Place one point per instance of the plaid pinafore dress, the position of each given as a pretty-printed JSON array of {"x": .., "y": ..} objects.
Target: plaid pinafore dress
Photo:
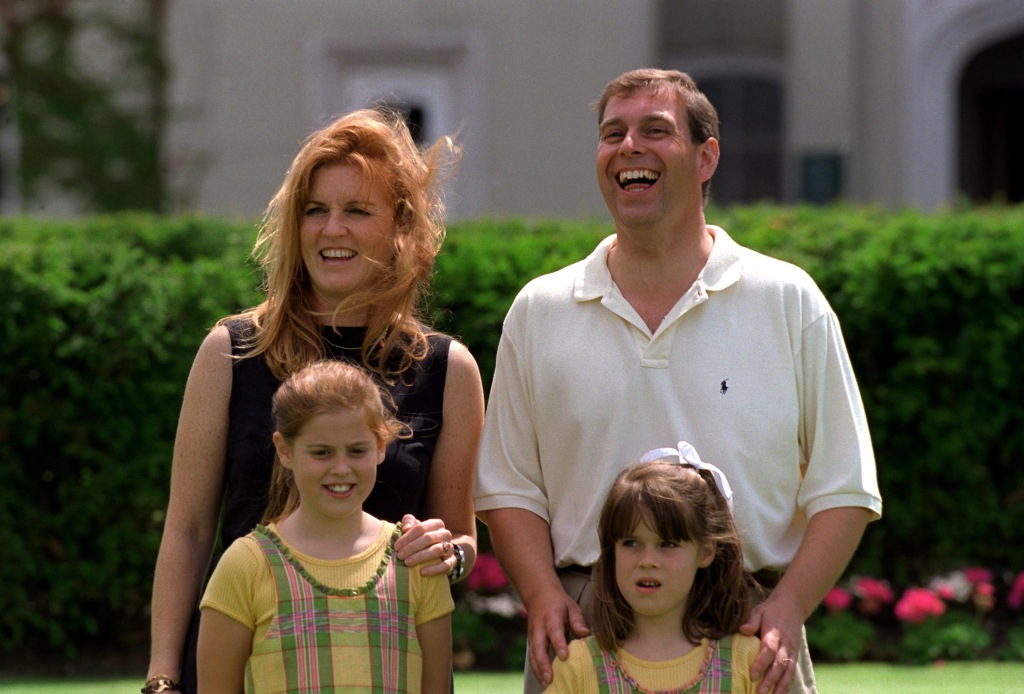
[
  {"x": 715, "y": 677},
  {"x": 305, "y": 646}
]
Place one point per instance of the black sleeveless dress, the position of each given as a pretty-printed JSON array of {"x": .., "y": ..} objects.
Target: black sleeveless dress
[
  {"x": 401, "y": 479},
  {"x": 401, "y": 486}
]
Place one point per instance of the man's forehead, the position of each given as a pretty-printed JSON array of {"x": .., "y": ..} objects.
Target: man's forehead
[{"x": 657, "y": 103}]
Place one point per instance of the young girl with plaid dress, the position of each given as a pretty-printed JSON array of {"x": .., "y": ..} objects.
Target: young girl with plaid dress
[
  {"x": 670, "y": 590},
  {"x": 314, "y": 599}
]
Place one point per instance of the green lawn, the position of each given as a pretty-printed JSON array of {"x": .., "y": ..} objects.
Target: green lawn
[{"x": 979, "y": 678}]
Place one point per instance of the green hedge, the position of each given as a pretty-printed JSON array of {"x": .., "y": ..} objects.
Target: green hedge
[
  {"x": 933, "y": 311},
  {"x": 101, "y": 319}
]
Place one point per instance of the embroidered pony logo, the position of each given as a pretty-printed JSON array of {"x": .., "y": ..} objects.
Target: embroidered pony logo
[{"x": 725, "y": 387}]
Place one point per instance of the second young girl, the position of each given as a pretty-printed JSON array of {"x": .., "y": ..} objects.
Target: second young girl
[
  {"x": 670, "y": 590},
  {"x": 315, "y": 599}
]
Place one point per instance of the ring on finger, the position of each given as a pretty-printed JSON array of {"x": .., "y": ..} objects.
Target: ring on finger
[
  {"x": 785, "y": 662},
  {"x": 446, "y": 549}
]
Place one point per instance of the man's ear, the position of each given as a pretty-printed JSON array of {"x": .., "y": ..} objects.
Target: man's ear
[
  {"x": 708, "y": 158},
  {"x": 284, "y": 454}
]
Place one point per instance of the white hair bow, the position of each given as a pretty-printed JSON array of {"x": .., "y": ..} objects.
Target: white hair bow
[{"x": 685, "y": 454}]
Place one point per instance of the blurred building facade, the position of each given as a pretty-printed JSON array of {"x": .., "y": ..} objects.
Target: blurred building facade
[{"x": 892, "y": 102}]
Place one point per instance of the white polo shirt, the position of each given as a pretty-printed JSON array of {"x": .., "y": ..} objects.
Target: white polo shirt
[{"x": 749, "y": 366}]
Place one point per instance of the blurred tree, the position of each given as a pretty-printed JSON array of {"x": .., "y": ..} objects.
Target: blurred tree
[{"x": 88, "y": 100}]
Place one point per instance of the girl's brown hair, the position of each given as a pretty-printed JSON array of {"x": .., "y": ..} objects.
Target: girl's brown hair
[
  {"x": 320, "y": 388},
  {"x": 681, "y": 504},
  {"x": 379, "y": 143}
]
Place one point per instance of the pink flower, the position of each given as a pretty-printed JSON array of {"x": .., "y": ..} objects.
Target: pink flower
[
  {"x": 837, "y": 599},
  {"x": 978, "y": 575},
  {"x": 984, "y": 597},
  {"x": 1016, "y": 597},
  {"x": 486, "y": 576},
  {"x": 873, "y": 588},
  {"x": 873, "y": 594},
  {"x": 917, "y": 604}
]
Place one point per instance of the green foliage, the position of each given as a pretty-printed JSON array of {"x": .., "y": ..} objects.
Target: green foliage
[
  {"x": 1014, "y": 649},
  {"x": 485, "y": 263},
  {"x": 933, "y": 312},
  {"x": 470, "y": 630},
  {"x": 92, "y": 131},
  {"x": 101, "y": 319},
  {"x": 489, "y": 624},
  {"x": 952, "y": 636},
  {"x": 840, "y": 638}
]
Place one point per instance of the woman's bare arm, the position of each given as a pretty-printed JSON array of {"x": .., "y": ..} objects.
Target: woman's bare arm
[
  {"x": 449, "y": 505},
  {"x": 197, "y": 483}
]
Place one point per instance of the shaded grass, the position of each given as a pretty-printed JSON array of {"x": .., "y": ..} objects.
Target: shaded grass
[{"x": 861, "y": 678}]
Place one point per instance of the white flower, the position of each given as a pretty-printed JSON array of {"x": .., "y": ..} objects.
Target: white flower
[
  {"x": 953, "y": 586},
  {"x": 504, "y": 605}
]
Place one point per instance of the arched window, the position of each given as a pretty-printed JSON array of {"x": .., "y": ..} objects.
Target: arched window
[{"x": 991, "y": 109}]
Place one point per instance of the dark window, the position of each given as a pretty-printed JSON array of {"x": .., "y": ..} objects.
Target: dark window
[
  {"x": 991, "y": 113},
  {"x": 5, "y": 135},
  {"x": 750, "y": 117},
  {"x": 415, "y": 117}
]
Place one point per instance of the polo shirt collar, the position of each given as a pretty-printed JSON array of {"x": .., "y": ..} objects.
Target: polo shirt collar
[
  {"x": 593, "y": 279},
  {"x": 724, "y": 267}
]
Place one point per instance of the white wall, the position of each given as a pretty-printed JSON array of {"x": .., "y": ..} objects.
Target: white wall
[
  {"x": 874, "y": 80},
  {"x": 243, "y": 70},
  {"x": 941, "y": 37}
]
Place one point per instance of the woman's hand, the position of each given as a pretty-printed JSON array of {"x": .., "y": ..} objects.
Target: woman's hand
[{"x": 426, "y": 541}]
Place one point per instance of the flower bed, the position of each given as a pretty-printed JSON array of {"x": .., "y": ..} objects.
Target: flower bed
[
  {"x": 489, "y": 622},
  {"x": 961, "y": 615}
]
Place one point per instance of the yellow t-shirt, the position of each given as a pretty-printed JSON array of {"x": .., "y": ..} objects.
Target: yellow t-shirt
[
  {"x": 577, "y": 675},
  {"x": 242, "y": 586}
]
